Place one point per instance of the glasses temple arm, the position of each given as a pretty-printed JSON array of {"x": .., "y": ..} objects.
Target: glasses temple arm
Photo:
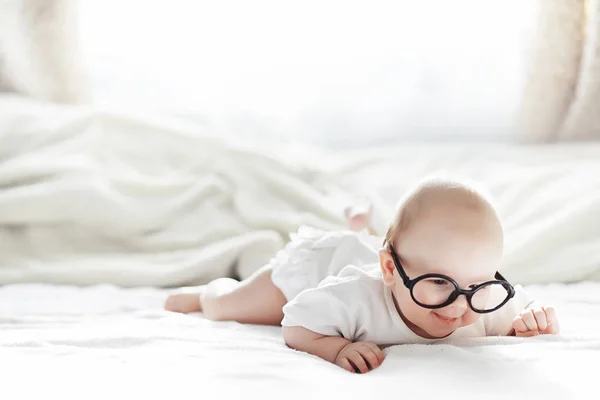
[{"x": 500, "y": 277}]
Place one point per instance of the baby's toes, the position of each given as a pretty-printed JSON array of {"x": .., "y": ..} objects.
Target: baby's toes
[
  {"x": 172, "y": 303},
  {"x": 183, "y": 303}
]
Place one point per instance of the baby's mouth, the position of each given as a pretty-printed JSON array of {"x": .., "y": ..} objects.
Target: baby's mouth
[{"x": 444, "y": 320}]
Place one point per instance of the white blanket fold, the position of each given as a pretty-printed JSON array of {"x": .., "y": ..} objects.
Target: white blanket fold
[{"x": 89, "y": 196}]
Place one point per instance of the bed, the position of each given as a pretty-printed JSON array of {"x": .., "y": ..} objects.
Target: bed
[
  {"x": 108, "y": 342},
  {"x": 102, "y": 214}
]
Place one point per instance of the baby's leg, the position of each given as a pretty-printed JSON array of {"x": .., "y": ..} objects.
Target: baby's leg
[{"x": 255, "y": 300}]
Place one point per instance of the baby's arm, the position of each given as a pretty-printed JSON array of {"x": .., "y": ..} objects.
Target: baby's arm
[
  {"x": 325, "y": 347},
  {"x": 324, "y": 321},
  {"x": 354, "y": 357}
]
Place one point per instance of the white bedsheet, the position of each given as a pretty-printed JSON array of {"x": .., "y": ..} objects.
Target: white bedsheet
[
  {"x": 88, "y": 197},
  {"x": 109, "y": 343}
]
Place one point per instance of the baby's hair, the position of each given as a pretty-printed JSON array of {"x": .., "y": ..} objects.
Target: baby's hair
[{"x": 465, "y": 191}]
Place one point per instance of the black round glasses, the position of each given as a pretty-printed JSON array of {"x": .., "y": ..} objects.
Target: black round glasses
[{"x": 436, "y": 290}]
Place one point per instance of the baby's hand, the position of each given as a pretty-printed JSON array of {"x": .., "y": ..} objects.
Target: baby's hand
[
  {"x": 360, "y": 357},
  {"x": 535, "y": 321}
]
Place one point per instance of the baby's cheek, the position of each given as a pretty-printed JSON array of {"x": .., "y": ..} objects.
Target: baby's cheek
[
  {"x": 410, "y": 309},
  {"x": 470, "y": 317}
]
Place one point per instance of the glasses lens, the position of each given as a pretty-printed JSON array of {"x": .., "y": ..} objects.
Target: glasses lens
[
  {"x": 489, "y": 297},
  {"x": 433, "y": 291}
]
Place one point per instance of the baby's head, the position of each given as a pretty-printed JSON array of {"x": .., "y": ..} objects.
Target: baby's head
[{"x": 442, "y": 227}]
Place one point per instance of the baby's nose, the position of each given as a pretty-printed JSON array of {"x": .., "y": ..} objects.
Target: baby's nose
[{"x": 458, "y": 307}]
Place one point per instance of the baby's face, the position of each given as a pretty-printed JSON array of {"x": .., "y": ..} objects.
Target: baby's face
[{"x": 465, "y": 250}]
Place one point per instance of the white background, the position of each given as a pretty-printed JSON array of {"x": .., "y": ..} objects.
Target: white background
[{"x": 337, "y": 73}]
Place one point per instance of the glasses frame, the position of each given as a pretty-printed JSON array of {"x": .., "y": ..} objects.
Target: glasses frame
[{"x": 468, "y": 293}]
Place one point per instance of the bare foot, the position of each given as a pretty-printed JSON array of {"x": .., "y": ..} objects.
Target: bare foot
[
  {"x": 359, "y": 218},
  {"x": 183, "y": 303}
]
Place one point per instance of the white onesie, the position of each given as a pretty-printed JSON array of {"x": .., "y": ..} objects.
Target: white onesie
[{"x": 334, "y": 287}]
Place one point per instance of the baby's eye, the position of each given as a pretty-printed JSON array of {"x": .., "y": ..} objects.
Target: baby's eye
[{"x": 440, "y": 282}]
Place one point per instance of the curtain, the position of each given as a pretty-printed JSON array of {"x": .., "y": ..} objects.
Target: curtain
[
  {"x": 40, "y": 50},
  {"x": 561, "y": 98},
  {"x": 582, "y": 121},
  {"x": 40, "y": 56}
]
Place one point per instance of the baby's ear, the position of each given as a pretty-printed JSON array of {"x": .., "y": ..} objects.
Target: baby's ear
[{"x": 387, "y": 266}]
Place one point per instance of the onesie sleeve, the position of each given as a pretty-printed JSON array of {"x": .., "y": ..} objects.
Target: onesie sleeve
[
  {"x": 323, "y": 310},
  {"x": 499, "y": 323}
]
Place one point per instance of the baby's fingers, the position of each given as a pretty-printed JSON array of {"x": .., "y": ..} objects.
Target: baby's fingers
[
  {"x": 552, "y": 320},
  {"x": 521, "y": 329},
  {"x": 540, "y": 318},
  {"x": 526, "y": 333},
  {"x": 344, "y": 363},
  {"x": 529, "y": 319},
  {"x": 369, "y": 356},
  {"x": 519, "y": 325},
  {"x": 378, "y": 352},
  {"x": 357, "y": 360}
]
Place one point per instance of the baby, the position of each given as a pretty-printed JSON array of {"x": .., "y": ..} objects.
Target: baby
[{"x": 343, "y": 296}]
